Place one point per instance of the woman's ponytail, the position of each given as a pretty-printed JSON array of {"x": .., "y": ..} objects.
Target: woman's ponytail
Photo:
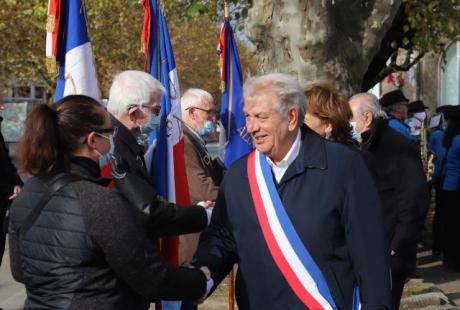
[{"x": 39, "y": 151}]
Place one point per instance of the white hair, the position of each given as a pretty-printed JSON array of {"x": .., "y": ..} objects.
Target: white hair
[
  {"x": 284, "y": 86},
  {"x": 194, "y": 97},
  {"x": 369, "y": 103},
  {"x": 132, "y": 88}
]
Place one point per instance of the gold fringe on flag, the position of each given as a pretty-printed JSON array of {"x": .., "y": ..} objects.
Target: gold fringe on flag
[
  {"x": 222, "y": 86},
  {"x": 51, "y": 66},
  {"x": 50, "y": 23},
  {"x": 143, "y": 47}
]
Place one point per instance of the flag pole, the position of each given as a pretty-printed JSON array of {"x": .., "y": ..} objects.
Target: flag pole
[
  {"x": 226, "y": 11},
  {"x": 231, "y": 282}
]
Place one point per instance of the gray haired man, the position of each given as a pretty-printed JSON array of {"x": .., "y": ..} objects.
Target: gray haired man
[
  {"x": 294, "y": 195},
  {"x": 401, "y": 183}
]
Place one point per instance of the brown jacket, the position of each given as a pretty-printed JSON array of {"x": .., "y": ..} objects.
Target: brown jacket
[{"x": 203, "y": 177}]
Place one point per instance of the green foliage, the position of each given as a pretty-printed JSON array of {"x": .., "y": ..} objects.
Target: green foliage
[
  {"x": 22, "y": 40},
  {"x": 114, "y": 29},
  {"x": 189, "y": 9},
  {"x": 435, "y": 22}
]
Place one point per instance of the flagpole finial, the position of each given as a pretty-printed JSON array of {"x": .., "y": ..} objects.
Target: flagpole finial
[{"x": 226, "y": 10}]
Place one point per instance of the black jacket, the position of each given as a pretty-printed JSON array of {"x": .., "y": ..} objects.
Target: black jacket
[
  {"x": 333, "y": 204},
  {"x": 88, "y": 249},
  {"x": 8, "y": 175},
  {"x": 134, "y": 183},
  {"x": 398, "y": 171}
]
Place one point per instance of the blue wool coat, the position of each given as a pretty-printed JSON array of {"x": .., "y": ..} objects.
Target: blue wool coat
[{"x": 333, "y": 204}]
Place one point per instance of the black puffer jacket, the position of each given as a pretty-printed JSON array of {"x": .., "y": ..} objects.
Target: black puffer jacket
[{"x": 88, "y": 249}]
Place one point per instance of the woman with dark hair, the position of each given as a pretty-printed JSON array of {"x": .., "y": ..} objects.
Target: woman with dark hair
[
  {"x": 450, "y": 170},
  {"x": 328, "y": 112},
  {"x": 76, "y": 244}
]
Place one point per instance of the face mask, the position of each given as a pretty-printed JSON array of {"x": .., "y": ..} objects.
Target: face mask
[
  {"x": 420, "y": 116},
  {"x": 355, "y": 134},
  {"x": 207, "y": 129},
  {"x": 105, "y": 159},
  {"x": 153, "y": 123}
]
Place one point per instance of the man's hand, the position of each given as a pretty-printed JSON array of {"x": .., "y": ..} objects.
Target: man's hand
[
  {"x": 16, "y": 190},
  {"x": 206, "y": 204},
  {"x": 392, "y": 253}
]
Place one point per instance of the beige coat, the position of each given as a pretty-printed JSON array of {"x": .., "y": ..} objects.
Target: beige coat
[{"x": 203, "y": 177}]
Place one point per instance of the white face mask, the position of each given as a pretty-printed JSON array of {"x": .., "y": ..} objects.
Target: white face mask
[{"x": 420, "y": 116}]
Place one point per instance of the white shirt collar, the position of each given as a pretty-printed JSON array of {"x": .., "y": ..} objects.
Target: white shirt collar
[{"x": 280, "y": 168}]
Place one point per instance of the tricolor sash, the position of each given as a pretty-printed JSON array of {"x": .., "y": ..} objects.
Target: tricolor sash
[{"x": 289, "y": 253}]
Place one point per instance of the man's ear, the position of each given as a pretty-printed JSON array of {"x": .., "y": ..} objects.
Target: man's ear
[
  {"x": 368, "y": 119},
  {"x": 293, "y": 115},
  {"x": 191, "y": 113},
  {"x": 133, "y": 114}
]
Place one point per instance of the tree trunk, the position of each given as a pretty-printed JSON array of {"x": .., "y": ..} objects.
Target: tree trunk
[{"x": 320, "y": 40}]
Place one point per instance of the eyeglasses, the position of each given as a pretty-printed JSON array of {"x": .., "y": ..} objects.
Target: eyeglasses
[
  {"x": 209, "y": 111},
  {"x": 111, "y": 131},
  {"x": 152, "y": 109},
  {"x": 155, "y": 110}
]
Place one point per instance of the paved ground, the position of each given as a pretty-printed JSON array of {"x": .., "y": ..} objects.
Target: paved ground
[
  {"x": 431, "y": 277},
  {"x": 431, "y": 284},
  {"x": 12, "y": 294}
]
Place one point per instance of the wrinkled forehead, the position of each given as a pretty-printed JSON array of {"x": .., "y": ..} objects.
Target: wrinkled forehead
[
  {"x": 207, "y": 104},
  {"x": 262, "y": 100},
  {"x": 155, "y": 99}
]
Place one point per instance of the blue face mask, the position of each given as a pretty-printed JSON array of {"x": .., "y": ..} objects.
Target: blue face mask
[
  {"x": 105, "y": 159},
  {"x": 153, "y": 123},
  {"x": 356, "y": 135},
  {"x": 207, "y": 129}
]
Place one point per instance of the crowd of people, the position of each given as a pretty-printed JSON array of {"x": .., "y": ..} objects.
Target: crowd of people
[{"x": 325, "y": 213}]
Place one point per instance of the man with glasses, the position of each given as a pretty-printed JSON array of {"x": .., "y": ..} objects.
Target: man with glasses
[
  {"x": 134, "y": 97},
  {"x": 203, "y": 172}
]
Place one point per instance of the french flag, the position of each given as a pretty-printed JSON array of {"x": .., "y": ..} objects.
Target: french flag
[
  {"x": 68, "y": 49},
  {"x": 168, "y": 165}
]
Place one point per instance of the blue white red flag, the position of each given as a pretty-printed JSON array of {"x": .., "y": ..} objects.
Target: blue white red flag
[
  {"x": 238, "y": 140},
  {"x": 168, "y": 166},
  {"x": 68, "y": 47},
  {"x": 286, "y": 248}
]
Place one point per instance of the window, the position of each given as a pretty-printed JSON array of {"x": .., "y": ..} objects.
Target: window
[{"x": 450, "y": 76}]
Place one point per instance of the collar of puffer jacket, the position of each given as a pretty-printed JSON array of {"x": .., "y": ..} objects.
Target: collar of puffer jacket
[{"x": 88, "y": 169}]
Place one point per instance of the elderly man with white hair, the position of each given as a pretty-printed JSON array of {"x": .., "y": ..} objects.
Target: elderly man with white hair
[
  {"x": 203, "y": 172},
  {"x": 401, "y": 182},
  {"x": 134, "y": 98},
  {"x": 300, "y": 215}
]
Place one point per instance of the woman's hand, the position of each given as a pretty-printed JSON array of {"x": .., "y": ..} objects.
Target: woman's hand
[{"x": 16, "y": 190}]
